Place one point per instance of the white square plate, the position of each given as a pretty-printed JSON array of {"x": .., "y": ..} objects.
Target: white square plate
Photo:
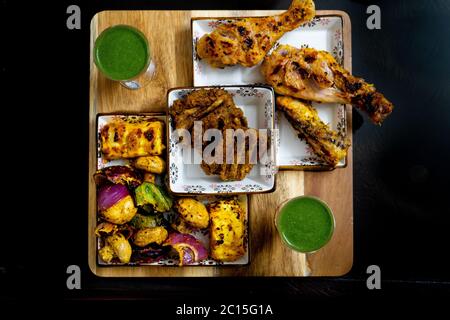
[
  {"x": 258, "y": 105},
  {"x": 322, "y": 33}
]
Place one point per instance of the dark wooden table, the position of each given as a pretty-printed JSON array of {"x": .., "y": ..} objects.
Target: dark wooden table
[{"x": 401, "y": 175}]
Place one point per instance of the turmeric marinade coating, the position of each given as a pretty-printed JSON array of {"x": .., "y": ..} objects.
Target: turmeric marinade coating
[{"x": 227, "y": 230}]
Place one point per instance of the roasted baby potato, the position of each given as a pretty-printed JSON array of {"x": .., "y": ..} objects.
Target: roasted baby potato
[
  {"x": 150, "y": 235},
  {"x": 227, "y": 230},
  {"x": 120, "y": 246},
  {"x": 121, "y": 212},
  {"x": 106, "y": 253},
  {"x": 124, "y": 139},
  {"x": 153, "y": 164},
  {"x": 193, "y": 212}
]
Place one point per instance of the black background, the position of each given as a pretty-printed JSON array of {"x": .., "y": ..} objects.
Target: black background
[{"x": 401, "y": 175}]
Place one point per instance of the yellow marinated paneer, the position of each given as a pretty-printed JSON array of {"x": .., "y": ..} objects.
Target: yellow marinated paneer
[
  {"x": 123, "y": 139},
  {"x": 227, "y": 230}
]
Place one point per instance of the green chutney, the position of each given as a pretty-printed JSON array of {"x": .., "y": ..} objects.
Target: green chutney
[
  {"x": 121, "y": 52},
  {"x": 305, "y": 224}
]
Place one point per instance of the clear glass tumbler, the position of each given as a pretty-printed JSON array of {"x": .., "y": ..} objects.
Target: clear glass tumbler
[{"x": 122, "y": 53}]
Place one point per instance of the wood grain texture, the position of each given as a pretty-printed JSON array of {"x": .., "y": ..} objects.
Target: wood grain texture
[{"x": 169, "y": 36}]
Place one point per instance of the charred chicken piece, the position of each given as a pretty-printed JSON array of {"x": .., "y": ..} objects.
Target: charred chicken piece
[
  {"x": 246, "y": 41},
  {"x": 314, "y": 75}
]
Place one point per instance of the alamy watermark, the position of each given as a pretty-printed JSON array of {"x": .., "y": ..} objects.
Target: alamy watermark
[
  {"x": 74, "y": 19},
  {"x": 229, "y": 146},
  {"x": 374, "y": 280},
  {"x": 374, "y": 20},
  {"x": 74, "y": 279}
]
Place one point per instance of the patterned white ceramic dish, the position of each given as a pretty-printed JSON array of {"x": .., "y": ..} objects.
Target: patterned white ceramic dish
[
  {"x": 323, "y": 33},
  {"x": 257, "y": 102}
]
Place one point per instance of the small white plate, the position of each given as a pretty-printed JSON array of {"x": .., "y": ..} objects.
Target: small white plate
[
  {"x": 258, "y": 105},
  {"x": 322, "y": 33}
]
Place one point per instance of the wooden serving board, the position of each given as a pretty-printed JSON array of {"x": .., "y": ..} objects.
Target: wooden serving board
[{"x": 169, "y": 35}]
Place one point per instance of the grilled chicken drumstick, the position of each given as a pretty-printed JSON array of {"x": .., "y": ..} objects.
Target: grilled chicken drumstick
[
  {"x": 246, "y": 41},
  {"x": 315, "y": 75}
]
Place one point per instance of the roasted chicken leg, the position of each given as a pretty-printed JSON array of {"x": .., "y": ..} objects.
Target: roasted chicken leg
[
  {"x": 327, "y": 144},
  {"x": 246, "y": 41},
  {"x": 315, "y": 75}
]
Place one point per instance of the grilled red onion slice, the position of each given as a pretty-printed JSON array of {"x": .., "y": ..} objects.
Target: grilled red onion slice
[
  {"x": 110, "y": 195},
  {"x": 188, "y": 247}
]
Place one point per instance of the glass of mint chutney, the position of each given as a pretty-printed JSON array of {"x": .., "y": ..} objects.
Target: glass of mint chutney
[
  {"x": 305, "y": 224},
  {"x": 122, "y": 53}
]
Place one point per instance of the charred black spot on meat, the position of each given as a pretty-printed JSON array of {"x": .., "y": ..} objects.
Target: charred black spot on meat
[
  {"x": 210, "y": 42},
  {"x": 248, "y": 42},
  {"x": 368, "y": 99},
  {"x": 353, "y": 87},
  {"x": 310, "y": 59},
  {"x": 149, "y": 135},
  {"x": 242, "y": 31},
  {"x": 276, "y": 69}
]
